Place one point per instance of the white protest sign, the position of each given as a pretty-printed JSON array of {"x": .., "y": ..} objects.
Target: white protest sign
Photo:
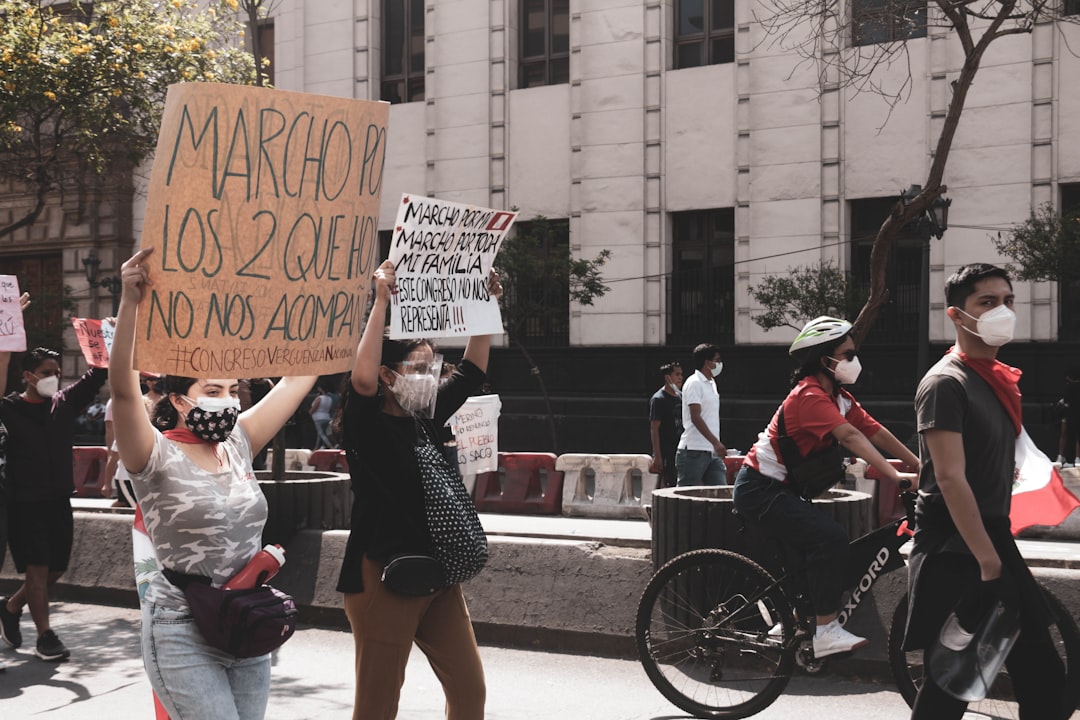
[
  {"x": 442, "y": 253},
  {"x": 12, "y": 331},
  {"x": 476, "y": 429}
]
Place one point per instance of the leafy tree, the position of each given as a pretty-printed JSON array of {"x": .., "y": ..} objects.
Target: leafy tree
[
  {"x": 1046, "y": 246},
  {"x": 539, "y": 273},
  {"x": 82, "y": 90},
  {"x": 803, "y": 293},
  {"x": 848, "y": 48}
]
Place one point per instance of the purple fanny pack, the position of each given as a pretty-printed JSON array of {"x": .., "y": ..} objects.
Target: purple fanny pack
[{"x": 244, "y": 623}]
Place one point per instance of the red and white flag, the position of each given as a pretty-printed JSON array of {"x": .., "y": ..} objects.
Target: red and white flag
[{"x": 1039, "y": 495}]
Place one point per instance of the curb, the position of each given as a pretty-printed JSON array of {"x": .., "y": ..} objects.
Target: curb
[{"x": 560, "y": 595}]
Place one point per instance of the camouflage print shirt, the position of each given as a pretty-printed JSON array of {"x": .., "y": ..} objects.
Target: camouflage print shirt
[{"x": 201, "y": 523}]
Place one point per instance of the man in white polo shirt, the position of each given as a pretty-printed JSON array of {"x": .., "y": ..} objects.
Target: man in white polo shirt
[{"x": 700, "y": 457}]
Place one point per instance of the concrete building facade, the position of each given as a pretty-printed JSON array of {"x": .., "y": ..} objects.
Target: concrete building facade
[{"x": 629, "y": 147}]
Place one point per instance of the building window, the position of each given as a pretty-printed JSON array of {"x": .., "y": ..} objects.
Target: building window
[
  {"x": 704, "y": 32},
  {"x": 1069, "y": 292},
  {"x": 403, "y": 51},
  {"x": 264, "y": 39},
  {"x": 898, "y": 320},
  {"x": 883, "y": 21},
  {"x": 545, "y": 42},
  {"x": 536, "y": 301},
  {"x": 701, "y": 303},
  {"x": 1070, "y": 7}
]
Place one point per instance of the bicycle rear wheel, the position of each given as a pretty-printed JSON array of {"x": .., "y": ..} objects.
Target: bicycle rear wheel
[
  {"x": 713, "y": 631},
  {"x": 907, "y": 667}
]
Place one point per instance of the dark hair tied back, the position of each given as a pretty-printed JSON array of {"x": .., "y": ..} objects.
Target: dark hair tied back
[{"x": 165, "y": 416}]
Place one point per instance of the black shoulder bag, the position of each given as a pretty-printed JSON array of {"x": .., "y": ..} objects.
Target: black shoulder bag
[
  {"x": 812, "y": 475},
  {"x": 459, "y": 545}
]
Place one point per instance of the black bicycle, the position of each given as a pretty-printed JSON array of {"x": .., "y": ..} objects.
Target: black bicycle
[{"x": 720, "y": 636}]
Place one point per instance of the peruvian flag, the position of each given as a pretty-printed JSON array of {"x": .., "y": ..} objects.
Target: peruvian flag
[{"x": 1039, "y": 496}]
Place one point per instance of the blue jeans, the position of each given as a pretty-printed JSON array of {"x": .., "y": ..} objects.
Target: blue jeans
[
  {"x": 820, "y": 541},
  {"x": 699, "y": 467},
  {"x": 195, "y": 681}
]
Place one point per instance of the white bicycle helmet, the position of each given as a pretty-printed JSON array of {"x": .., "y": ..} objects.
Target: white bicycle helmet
[{"x": 819, "y": 331}]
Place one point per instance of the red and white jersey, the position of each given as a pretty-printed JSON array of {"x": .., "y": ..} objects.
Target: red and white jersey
[{"x": 810, "y": 416}]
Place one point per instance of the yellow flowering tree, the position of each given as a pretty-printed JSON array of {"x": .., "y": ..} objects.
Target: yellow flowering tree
[{"x": 82, "y": 86}]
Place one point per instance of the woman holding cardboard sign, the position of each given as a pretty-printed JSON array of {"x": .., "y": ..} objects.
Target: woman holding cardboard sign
[
  {"x": 204, "y": 511},
  {"x": 400, "y": 576}
]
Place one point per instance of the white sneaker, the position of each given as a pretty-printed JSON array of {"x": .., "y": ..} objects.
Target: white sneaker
[{"x": 832, "y": 638}]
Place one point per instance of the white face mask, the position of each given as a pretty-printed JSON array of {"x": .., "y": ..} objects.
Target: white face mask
[
  {"x": 214, "y": 404},
  {"x": 47, "y": 386},
  {"x": 995, "y": 327},
  {"x": 716, "y": 370},
  {"x": 847, "y": 371}
]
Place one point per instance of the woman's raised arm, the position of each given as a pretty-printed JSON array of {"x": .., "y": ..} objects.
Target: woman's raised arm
[{"x": 134, "y": 433}]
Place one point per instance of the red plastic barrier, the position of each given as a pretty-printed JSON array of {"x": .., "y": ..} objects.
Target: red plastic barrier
[
  {"x": 329, "y": 461},
  {"x": 525, "y": 484},
  {"x": 733, "y": 463},
  {"x": 88, "y": 465},
  {"x": 889, "y": 505}
]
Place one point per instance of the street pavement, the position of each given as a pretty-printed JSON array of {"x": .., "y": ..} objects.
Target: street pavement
[{"x": 312, "y": 678}]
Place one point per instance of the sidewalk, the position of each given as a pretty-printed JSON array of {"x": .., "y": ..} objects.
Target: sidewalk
[{"x": 312, "y": 680}]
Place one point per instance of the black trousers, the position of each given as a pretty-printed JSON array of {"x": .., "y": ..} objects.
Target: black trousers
[{"x": 1036, "y": 670}]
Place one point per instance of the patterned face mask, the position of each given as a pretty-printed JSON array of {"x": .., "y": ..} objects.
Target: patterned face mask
[{"x": 212, "y": 419}]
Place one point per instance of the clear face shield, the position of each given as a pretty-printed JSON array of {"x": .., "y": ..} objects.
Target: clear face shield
[{"x": 416, "y": 387}]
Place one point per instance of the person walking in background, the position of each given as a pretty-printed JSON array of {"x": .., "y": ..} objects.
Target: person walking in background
[
  {"x": 968, "y": 415},
  {"x": 203, "y": 508},
  {"x": 5, "y": 362},
  {"x": 816, "y": 417},
  {"x": 320, "y": 415},
  {"x": 41, "y": 424},
  {"x": 665, "y": 424},
  {"x": 699, "y": 459},
  {"x": 388, "y": 426}
]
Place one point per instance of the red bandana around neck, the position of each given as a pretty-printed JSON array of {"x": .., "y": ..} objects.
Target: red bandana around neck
[
  {"x": 1003, "y": 380},
  {"x": 183, "y": 435}
]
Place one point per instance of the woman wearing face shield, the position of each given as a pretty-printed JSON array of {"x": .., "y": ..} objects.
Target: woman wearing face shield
[
  {"x": 203, "y": 508},
  {"x": 394, "y": 404},
  {"x": 817, "y": 414}
]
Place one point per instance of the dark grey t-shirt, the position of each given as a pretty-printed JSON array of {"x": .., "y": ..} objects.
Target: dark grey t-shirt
[{"x": 954, "y": 397}]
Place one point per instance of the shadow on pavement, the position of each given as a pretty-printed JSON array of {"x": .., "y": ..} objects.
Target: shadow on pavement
[{"x": 94, "y": 649}]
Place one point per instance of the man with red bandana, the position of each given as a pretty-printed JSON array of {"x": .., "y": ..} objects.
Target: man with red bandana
[{"x": 968, "y": 417}]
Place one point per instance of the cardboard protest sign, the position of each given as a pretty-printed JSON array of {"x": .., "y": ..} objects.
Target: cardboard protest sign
[
  {"x": 442, "y": 253},
  {"x": 89, "y": 333},
  {"x": 476, "y": 430},
  {"x": 263, "y": 213},
  {"x": 12, "y": 331}
]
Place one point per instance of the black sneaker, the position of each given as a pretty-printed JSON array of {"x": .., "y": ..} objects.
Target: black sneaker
[
  {"x": 9, "y": 625},
  {"x": 49, "y": 647}
]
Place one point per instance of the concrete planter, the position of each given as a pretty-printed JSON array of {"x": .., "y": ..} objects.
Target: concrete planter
[
  {"x": 689, "y": 518},
  {"x": 305, "y": 500}
]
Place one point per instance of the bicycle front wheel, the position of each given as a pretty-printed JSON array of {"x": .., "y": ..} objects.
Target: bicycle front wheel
[
  {"x": 711, "y": 634},
  {"x": 1000, "y": 704}
]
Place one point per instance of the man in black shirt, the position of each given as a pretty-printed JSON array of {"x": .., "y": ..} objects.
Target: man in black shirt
[
  {"x": 41, "y": 427},
  {"x": 665, "y": 423},
  {"x": 968, "y": 415}
]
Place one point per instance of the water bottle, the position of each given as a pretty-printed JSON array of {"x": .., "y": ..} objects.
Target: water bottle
[
  {"x": 964, "y": 664},
  {"x": 259, "y": 569}
]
